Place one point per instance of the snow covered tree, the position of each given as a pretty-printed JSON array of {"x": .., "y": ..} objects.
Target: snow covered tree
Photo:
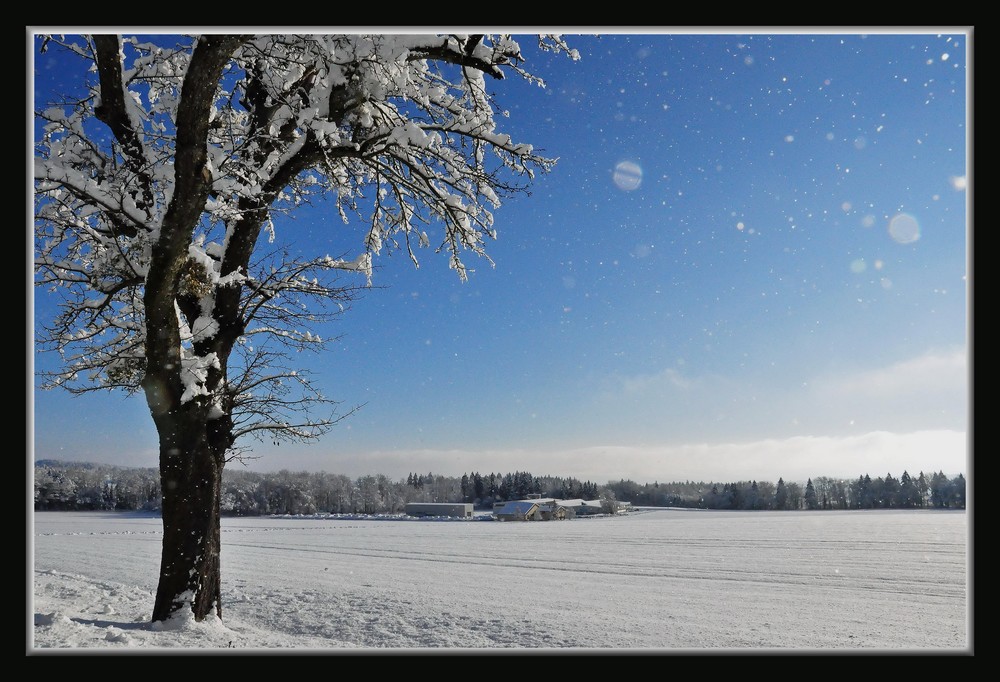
[
  {"x": 795, "y": 495},
  {"x": 609, "y": 503},
  {"x": 157, "y": 186}
]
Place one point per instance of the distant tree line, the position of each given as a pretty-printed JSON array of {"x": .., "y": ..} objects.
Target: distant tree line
[
  {"x": 906, "y": 492},
  {"x": 84, "y": 486},
  {"x": 520, "y": 484}
]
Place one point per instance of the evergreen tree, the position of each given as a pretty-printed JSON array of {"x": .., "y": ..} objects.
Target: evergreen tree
[
  {"x": 506, "y": 487},
  {"x": 940, "y": 490},
  {"x": 781, "y": 495},
  {"x": 908, "y": 495},
  {"x": 923, "y": 489},
  {"x": 890, "y": 492},
  {"x": 478, "y": 487},
  {"x": 736, "y": 495},
  {"x": 877, "y": 489},
  {"x": 868, "y": 493},
  {"x": 810, "y": 496},
  {"x": 958, "y": 492}
]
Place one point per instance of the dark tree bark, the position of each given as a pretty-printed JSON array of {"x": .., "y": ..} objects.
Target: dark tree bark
[
  {"x": 192, "y": 449},
  {"x": 190, "y": 477}
]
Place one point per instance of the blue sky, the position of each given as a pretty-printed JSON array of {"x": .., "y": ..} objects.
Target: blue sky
[{"x": 750, "y": 262}]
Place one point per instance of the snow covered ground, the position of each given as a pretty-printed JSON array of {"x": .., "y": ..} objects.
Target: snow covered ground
[{"x": 676, "y": 580}]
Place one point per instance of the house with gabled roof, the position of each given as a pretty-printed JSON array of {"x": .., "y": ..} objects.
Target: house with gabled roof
[
  {"x": 518, "y": 510},
  {"x": 535, "y": 509}
]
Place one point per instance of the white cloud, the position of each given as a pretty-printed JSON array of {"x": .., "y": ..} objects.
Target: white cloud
[
  {"x": 926, "y": 392},
  {"x": 933, "y": 373},
  {"x": 794, "y": 459}
]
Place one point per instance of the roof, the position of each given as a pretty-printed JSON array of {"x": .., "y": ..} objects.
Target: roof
[{"x": 517, "y": 507}]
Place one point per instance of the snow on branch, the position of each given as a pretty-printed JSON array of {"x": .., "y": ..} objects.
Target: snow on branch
[{"x": 158, "y": 180}]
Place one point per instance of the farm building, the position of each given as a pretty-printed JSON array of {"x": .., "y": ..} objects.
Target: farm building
[
  {"x": 456, "y": 509},
  {"x": 531, "y": 510},
  {"x": 550, "y": 509},
  {"x": 553, "y": 511},
  {"x": 518, "y": 510},
  {"x": 583, "y": 507}
]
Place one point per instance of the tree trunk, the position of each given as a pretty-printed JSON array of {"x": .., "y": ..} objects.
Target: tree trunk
[{"x": 190, "y": 479}]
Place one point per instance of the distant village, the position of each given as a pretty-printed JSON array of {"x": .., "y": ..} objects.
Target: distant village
[{"x": 533, "y": 508}]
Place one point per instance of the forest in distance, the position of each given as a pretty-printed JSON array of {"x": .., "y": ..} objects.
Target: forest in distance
[{"x": 88, "y": 486}]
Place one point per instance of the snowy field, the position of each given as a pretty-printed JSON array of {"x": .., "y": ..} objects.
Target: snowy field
[{"x": 675, "y": 580}]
